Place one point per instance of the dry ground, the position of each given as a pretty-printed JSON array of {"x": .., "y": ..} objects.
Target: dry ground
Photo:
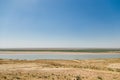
[{"x": 100, "y": 69}]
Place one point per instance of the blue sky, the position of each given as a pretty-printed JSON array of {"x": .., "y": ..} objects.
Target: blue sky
[{"x": 59, "y": 23}]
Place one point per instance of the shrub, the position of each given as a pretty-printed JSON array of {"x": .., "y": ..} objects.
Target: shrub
[
  {"x": 78, "y": 78},
  {"x": 100, "y": 78}
]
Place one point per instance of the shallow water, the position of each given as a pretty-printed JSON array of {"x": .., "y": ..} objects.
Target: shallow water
[{"x": 58, "y": 56}]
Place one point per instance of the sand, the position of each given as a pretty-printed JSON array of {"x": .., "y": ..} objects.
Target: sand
[{"x": 100, "y": 69}]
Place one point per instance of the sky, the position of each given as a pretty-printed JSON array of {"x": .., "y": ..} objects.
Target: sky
[{"x": 59, "y": 23}]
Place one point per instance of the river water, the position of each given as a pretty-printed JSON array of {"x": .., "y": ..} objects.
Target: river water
[{"x": 80, "y": 56}]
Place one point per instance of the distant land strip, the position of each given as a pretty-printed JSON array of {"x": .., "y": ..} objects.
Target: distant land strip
[{"x": 62, "y": 50}]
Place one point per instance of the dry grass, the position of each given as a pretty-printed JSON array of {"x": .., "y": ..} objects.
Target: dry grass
[{"x": 100, "y": 69}]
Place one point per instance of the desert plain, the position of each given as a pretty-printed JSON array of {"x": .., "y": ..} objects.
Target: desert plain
[{"x": 97, "y": 69}]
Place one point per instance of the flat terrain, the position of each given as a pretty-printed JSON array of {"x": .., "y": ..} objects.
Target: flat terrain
[
  {"x": 62, "y": 50},
  {"x": 48, "y": 52},
  {"x": 99, "y": 69}
]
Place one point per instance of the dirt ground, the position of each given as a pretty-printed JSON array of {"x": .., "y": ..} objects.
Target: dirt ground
[{"x": 99, "y": 69}]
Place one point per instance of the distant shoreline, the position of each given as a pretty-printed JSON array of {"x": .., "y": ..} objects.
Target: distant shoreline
[
  {"x": 50, "y": 52},
  {"x": 62, "y": 50},
  {"x": 57, "y": 51}
]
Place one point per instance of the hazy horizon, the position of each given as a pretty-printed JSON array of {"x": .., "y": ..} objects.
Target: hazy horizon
[{"x": 60, "y": 24}]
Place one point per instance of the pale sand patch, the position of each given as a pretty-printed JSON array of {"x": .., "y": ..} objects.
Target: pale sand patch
[
  {"x": 114, "y": 65},
  {"x": 18, "y": 66},
  {"x": 78, "y": 61}
]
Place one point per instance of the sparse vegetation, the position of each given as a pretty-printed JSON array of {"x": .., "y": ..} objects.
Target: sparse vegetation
[{"x": 59, "y": 69}]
